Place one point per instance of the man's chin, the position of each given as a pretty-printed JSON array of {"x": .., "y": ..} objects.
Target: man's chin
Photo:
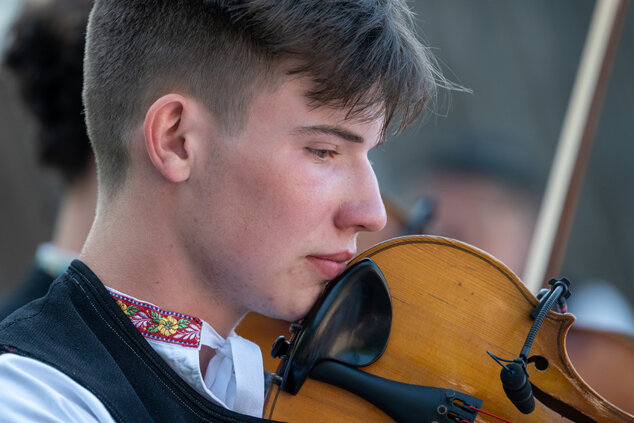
[
  {"x": 298, "y": 310},
  {"x": 294, "y": 315},
  {"x": 291, "y": 310}
]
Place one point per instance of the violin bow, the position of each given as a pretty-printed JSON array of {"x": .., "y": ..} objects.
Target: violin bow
[{"x": 554, "y": 222}]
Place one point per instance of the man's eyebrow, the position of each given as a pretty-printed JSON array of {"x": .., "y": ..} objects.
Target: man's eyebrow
[{"x": 330, "y": 130}]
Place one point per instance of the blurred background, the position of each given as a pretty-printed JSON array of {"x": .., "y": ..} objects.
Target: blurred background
[
  {"x": 480, "y": 160},
  {"x": 520, "y": 59}
]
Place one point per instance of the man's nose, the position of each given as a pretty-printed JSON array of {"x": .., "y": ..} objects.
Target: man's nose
[{"x": 362, "y": 208}]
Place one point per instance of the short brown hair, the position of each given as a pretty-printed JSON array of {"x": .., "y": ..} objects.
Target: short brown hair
[{"x": 361, "y": 55}]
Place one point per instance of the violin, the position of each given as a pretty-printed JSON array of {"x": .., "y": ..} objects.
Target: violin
[{"x": 453, "y": 307}]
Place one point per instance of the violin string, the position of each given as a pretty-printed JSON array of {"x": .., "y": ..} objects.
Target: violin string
[{"x": 488, "y": 414}]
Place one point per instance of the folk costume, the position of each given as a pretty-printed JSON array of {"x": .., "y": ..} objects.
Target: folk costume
[{"x": 87, "y": 353}]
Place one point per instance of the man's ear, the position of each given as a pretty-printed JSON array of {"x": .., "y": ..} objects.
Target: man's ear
[{"x": 166, "y": 137}]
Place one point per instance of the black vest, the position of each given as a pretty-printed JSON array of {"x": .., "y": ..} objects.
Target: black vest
[{"x": 80, "y": 330}]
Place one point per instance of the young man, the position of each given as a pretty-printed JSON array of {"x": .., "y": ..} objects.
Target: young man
[{"x": 231, "y": 140}]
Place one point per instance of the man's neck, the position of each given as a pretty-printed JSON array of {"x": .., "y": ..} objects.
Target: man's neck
[{"x": 126, "y": 251}]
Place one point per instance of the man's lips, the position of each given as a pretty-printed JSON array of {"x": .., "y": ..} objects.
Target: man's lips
[{"x": 332, "y": 265}]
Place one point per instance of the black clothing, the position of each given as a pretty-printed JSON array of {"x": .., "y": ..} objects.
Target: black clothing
[{"x": 79, "y": 329}]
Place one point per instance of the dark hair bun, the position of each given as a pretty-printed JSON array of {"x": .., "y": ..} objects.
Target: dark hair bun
[{"x": 46, "y": 57}]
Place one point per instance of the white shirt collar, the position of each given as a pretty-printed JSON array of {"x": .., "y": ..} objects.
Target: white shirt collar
[{"x": 234, "y": 376}]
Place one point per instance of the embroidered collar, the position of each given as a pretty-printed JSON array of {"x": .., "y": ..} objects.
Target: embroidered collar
[{"x": 158, "y": 324}]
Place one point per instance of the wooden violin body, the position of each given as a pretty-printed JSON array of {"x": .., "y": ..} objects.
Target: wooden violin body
[{"x": 451, "y": 304}]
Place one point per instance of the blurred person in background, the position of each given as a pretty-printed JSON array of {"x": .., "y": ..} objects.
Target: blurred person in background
[
  {"x": 485, "y": 194},
  {"x": 481, "y": 192},
  {"x": 45, "y": 57}
]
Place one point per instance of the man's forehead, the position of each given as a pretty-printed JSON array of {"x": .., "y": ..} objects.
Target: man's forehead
[{"x": 290, "y": 97}]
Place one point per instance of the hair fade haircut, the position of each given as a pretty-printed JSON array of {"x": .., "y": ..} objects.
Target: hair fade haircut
[{"x": 362, "y": 56}]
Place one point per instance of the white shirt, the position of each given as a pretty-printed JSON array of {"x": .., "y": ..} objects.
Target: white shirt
[{"x": 36, "y": 392}]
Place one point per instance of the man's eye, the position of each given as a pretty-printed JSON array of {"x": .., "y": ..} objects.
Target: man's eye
[{"x": 322, "y": 154}]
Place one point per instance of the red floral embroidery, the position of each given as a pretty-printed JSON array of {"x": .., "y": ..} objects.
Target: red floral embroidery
[{"x": 161, "y": 325}]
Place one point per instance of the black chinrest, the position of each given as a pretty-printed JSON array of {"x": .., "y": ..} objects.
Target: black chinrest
[{"x": 350, "y": 323}]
